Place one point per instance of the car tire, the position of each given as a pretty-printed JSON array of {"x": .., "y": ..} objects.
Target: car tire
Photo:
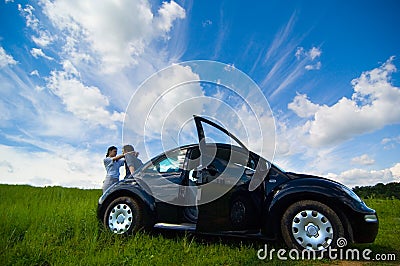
[
  {"x": 240, "y": 213},
  {"x": 311, "y": 225},
  {"x": 124, "y": 215}
]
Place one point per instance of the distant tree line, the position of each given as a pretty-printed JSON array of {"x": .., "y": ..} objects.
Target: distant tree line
[{"x": 380, "y": 190}]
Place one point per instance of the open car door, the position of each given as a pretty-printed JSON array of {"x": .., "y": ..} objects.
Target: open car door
[{"x": 219, "y": 175}]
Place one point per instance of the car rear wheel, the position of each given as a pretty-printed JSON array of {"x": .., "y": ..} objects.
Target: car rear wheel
[
  {"x": 124, "y": 215},
  {"x": 311, "y": 225},
  {"x": 241, "y": 213}
]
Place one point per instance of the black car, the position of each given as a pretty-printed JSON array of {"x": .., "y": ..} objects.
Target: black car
[{"x": 225, "y": 189}]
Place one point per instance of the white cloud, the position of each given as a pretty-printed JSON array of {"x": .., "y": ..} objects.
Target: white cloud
[
  {"x": 113, "y": 35},
  {"x": 314, "y": 53},
  {"x": 6, "y": 59},
  {"x": 85, "y": 102},
  {"x": 230, "y": 67},
  {"x": 206, "y": 23},
  {"x": 315, "y": 66},
  {"x": 31, "y": 20},
  {"x": 161, "y": 97},
  {"x": 6, "y": 165},
  {"x": 374, "y": 104},
  {"x": 360, "y": 177},
  {"x": 283, "y": 142},
  {"x": 57, "y": 116},
  {"x": 299, "y": 52},
  {"x": 65, "y": 166},
  {"x": 35, "y": 52},
  {"x": 35, "y": 73},
  {"x": 363, "y": 160},
  {"x": 302, "y": 106},
  {"x": 390, "y": 143},
  {"x": 163, "y": 107},
  {"x": 44, "y": 39},
  {"x": 396, "y": 170},
  {"x": 166, "y": 16},
  {"x": 309, "y": 56},
  {"x": 30, "y": 109}
]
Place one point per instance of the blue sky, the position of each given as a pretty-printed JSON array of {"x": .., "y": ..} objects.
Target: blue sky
[{"x": 69, "y": 68}]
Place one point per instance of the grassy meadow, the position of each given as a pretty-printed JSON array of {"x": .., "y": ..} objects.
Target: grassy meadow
[{"x": 58, "y": 226}]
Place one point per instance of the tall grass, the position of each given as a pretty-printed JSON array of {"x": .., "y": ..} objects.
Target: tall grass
[
  {"x": 58, "y": 226},
  {"x": 388, "y": 238}
]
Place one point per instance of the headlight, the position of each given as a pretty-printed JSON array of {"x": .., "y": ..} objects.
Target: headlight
[
  {"x": 371, "y": 218},
  {"x": 352, "y": 194}
]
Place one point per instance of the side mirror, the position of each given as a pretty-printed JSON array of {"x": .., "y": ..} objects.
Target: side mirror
[
  {"x": 249, "y": 172},
  {"x": 263, "y": 165},
  {"x": 212, "y": 170},
  {"x": 262, "y": 170}
]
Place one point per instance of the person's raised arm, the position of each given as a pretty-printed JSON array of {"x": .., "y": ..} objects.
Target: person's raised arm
[{"x": 116, "y": 158}]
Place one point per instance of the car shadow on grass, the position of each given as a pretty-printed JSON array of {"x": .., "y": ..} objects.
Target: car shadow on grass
[{"x": 207, "y": 239}]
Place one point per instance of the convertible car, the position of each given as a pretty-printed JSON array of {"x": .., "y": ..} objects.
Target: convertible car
[{"x": 225, "y": 189}]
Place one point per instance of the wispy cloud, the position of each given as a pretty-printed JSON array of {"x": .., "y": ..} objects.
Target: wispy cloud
[
  {"x": 36, "y": 53},
  {"x": 223, "y": 31},
  {"x": 6, "y": 59},
  {"x": 280, "y": 59},
  {"x": 305, "y": 61},
  {"x": 281, "y": 38}
]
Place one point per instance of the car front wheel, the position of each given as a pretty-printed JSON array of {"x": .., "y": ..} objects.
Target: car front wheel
[
  {"x": 311, "y": 225},
  {"x": 124, "y": 215}
]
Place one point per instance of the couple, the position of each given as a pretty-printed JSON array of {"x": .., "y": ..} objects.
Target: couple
[{"x": 113, "y": 162}]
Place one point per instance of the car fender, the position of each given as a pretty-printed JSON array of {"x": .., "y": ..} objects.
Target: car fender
[
  {"x": 311, "y": 188},
  {"x": 130, "y": 188}
]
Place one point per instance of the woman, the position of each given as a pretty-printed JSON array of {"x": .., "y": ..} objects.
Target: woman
[{"x": 112, "y": 163}]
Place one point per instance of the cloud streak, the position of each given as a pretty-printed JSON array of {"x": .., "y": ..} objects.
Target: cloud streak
[
  {"x": 6, "y": 59},
  {"x": 286, "y": 60}
]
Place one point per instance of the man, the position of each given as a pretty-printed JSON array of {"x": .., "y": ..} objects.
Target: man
[{"x": 132, "y": 163}]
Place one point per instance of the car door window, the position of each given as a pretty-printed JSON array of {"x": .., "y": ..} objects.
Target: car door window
[
  {"x": 228, "y": 164},
  {"x": 170, "y": 163}
]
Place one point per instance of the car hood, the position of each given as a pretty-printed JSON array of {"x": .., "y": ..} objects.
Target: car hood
[
  {"x": 317, "y": 178},
  {"x": 296, "y": 175}
]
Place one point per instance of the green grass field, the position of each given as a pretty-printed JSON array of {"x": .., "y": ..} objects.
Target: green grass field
[{"x": 58, "y": 226}]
